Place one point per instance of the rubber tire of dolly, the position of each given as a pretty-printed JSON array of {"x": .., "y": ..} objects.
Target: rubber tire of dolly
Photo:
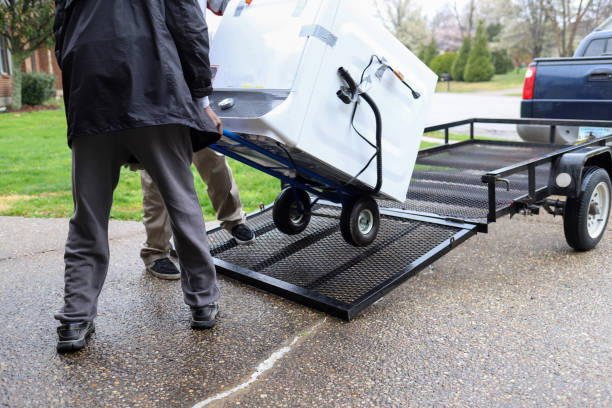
[
  {"x": 577, "y": 209},
  {"x": 349, "y": 221},
  {"x": 282, "y": 212}
]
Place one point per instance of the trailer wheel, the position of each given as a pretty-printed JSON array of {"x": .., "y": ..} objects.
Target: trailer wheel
[
  {"x": 359, "y": 221},
  {"x": 586, "y": 216},
  {"x": 290, "y": 216}
]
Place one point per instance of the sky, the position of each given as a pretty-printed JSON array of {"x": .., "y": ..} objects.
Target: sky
[{"x": 430, "y": 7}]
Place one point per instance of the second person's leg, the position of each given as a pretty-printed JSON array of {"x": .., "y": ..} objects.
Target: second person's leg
[
  {"x": 156, "y": 250},
  {"x": 223, "y": 193}
]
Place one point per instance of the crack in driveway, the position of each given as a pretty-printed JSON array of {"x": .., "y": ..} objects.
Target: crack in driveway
[{"x": 263, "y": 367}]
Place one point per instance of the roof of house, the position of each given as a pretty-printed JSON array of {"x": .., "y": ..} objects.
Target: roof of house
[{"x": 606, "y": 25}]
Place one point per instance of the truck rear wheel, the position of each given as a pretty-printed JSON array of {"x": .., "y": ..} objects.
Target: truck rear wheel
[{"x": 586, "y": 216}]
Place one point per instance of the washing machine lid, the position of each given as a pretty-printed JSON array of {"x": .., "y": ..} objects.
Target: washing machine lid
[{"x": 269, "y": 56}]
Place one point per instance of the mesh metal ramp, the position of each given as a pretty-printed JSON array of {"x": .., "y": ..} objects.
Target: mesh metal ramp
[
  {"x": 447, "y": 203},
  {"x": 319, "y": 269}
]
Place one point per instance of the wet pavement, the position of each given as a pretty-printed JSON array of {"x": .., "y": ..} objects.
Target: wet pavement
[{"x": 510, "y": 318}]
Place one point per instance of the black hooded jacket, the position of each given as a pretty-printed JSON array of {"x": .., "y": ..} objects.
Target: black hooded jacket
[{"x": 133, "y": 63}]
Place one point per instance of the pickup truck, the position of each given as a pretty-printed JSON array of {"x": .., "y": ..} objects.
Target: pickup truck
[{"x": 570, "y": 88}]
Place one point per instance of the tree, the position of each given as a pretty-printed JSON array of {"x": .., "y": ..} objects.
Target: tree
[
  {"x": 465, "y": 20},
  {"x": 565, "y": 17},
  {"x": 461, "y": 61},
  {"x": 444, "y": 26},
  {"x": 537, "y": 27},
  {"x": 26, "y": 25},
  {"x": 405, "y": 21},
  {"x": 526, "y": 33},
  {"x": 501, "y": 61},
  {"x": 493, "y": 31},
  {"x": 479, "y": 66},
  {"x": 601, "y": 10},
  {"x": 429, "y": 52}
]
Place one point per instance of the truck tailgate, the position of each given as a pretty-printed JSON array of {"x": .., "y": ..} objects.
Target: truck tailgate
[{"x": 571, "y": 88}]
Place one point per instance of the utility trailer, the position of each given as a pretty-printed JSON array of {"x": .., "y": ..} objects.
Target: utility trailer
[{"x": 456, "y": 191}]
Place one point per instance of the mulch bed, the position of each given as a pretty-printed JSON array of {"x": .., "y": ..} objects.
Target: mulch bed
[{"x": 30, "y": 109}]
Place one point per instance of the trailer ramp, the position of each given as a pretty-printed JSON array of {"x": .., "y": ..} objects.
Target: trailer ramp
[
  {"x": 447, "y": 203},
  {"x": 319, "y": 269}
]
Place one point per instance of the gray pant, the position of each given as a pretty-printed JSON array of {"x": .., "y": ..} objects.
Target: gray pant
[
  {"x": 166, "y": 153},
  {"x": 221, "y": 188}
]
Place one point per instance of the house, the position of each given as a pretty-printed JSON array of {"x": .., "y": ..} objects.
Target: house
[
  {"x": 43, "y": 60},
  {"x": 606, "y": 25}
]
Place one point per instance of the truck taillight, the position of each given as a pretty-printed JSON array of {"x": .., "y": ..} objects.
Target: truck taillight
[{"x": 529, "y": 83}]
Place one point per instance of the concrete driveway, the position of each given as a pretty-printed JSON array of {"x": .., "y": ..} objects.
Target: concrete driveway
[
  {"x": 450, "y": 107},
  {"x": 511, "y": 318}
]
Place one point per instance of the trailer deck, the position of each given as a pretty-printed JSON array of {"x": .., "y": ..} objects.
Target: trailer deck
[
  {"x": 456, "y": 191},
  {"x": 447, "y": 181}
]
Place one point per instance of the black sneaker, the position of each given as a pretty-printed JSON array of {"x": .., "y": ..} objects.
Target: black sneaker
[
  {"x": 164, "y": 269},
  {"x": 73, "y": 336},
  {"x": 243, "y": 234},
  {"x": 204, "y": 317}
]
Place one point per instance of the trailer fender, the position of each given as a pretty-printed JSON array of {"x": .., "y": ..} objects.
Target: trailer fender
[{"x": 567, "y": 171}]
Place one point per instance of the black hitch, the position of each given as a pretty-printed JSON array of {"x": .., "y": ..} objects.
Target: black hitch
[{"x": 554, "y": 207}]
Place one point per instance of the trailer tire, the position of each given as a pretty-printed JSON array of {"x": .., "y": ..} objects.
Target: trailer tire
[
  {"x": 586, "y": 216},
  {"x": 360, "y": 221},
  {"x": 286, "y": 211}
]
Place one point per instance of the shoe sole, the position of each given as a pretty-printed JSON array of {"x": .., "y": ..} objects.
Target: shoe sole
[
  {"x": 203, "y": 325},
  {"x": 244, "y": 243},
  {"x": 164, "y": 276},
  {"x": 69, "y": 346}
]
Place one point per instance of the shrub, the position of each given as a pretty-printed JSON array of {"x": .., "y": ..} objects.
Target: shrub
[
  {"x": 502, "y": 62},
  {"x": 479, "y": 67},
  {"x": 443, "y": 63},
  {"x": 37, "y": 87},
  {"x": 479, "y": 70},
  {"x": 461, "y": 61}
]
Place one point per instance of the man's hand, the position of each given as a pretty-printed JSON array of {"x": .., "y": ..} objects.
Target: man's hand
[{"x": 213, "y": 116}]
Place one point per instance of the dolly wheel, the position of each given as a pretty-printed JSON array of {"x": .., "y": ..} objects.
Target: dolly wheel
[
  {"x": 290, "y": 216},
  {"x": 359, "y": 221},
  {"x": 586, "y": 216}
]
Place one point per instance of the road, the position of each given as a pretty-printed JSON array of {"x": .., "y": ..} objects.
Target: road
[
  {"x": 509, "y": 319},
  {"x": 449, "y": 107}
]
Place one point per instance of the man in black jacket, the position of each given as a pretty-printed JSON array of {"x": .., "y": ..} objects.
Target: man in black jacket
[{"x": 136, "y": 78}]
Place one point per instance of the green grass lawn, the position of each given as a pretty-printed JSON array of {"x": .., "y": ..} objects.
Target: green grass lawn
[
  {"x": 35, "y": 179},
  {"x": 510, "y": 80},
  {"x": 35, "y": 173}
]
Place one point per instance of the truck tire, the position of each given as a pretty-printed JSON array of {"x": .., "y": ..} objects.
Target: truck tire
[
  {"x": 290, "y": 216},
  {"x": 586, "y": 216},
  {"x": 359, "y": 221}
]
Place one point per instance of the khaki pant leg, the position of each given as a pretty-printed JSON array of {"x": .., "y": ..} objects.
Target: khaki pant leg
[
  {"x": 156, "y": 222},
  {"x": 222, "y": 188}
]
